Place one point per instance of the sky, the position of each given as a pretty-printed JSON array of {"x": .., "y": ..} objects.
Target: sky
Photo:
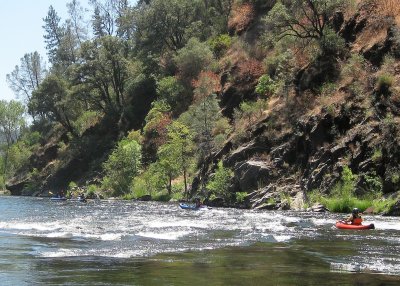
[{"x": 21, "y": 32}]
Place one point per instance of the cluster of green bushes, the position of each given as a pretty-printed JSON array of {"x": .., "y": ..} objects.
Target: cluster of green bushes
[{"x": 343, "y": 198}]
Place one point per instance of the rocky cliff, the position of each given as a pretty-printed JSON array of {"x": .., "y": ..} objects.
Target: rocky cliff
[{"x": 304, "y": 140}]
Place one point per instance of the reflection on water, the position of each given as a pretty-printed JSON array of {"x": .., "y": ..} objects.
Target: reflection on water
[{"x": 138, "y": 243}]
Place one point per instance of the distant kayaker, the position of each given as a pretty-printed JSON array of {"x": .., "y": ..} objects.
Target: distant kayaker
[
  {"x": 355, "y": 217},
  {"x": 198, "y": 203},
  {"x": 82, "y": 198}
]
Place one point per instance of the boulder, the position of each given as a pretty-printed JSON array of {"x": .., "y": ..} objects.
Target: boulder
[{"x": 252, "y": 175}]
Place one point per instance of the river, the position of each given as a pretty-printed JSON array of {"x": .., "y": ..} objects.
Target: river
[{"x": 44, "y": 242}]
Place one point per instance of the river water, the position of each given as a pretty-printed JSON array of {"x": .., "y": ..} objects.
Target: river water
[{"x": 43, "y": 242}]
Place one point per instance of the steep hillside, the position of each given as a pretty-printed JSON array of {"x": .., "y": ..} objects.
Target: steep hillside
[
  {"x": 300, "y": 113},
  {"x": 304, "y": 141}
]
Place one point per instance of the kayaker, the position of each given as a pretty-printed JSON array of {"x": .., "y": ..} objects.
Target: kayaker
[
  {"x": 355, "y": 217},
  {"x": 198, "y": 203}
]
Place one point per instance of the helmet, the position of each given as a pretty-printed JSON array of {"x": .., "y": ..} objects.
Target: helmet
[{"x": 355, "y": 211}]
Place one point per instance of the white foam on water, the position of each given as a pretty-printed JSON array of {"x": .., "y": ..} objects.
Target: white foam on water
[
  {"x": 323, "y": 221},
  {"x": 58, "y": 235},
  {"x": 62, "y": 252},
  {"x": 111, "y": 236},
  {"x": 178, "y": 223},
  {"x": 173, "y": 235},
  {"x": 387, "y": 225},
  {"x": 283, "y": 238},
  {"x": 28, "y": 226},
  {"x": 378, "y": 266}
]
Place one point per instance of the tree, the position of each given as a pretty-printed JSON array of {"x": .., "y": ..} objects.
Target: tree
[
  {"x": 25, "y": 79},
  {"x": 170, "y": 90},
  {"x": 163, "y": 25},
  {"x": 206, "y": 110},
  {"x": 303, "y": 19},
  {"x": 11, "y": 122},
  {"x": 122, "y": 166},
  {"x": 54, "y": 34},
  {"x": 193, "y": 58},
  {"x": 106, "y": 20},
  {"x": 219, "y": 184},
  {"x": 52, "y": 100},
  {"x": 169, "y": 167},
  {"x": 100, "y": 79},
  {"x": 76, "y": 21},
  {"x": 155, "y": 131},
  {"x": 178, "y": 150}
]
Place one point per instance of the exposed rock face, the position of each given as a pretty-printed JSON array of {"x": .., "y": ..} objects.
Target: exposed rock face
[
  {"x": 279, "y": 168},
  {"x": 312, "y": 156}
]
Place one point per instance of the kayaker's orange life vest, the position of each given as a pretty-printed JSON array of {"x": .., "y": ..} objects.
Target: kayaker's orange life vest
[{"x": 357, "y": 221}]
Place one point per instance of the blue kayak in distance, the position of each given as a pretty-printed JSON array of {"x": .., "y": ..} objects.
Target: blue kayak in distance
[{"x": 192, "y": 207}]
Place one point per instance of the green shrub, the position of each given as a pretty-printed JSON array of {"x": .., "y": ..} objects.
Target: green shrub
[
  {"x": 266, "y": 85},
  {"x": 121, "y": 166},
  {"x": 86, "y": 120},
  {"x": 171, "y": 91},
  {"x": 162, "y": 197},
  {"x": 219, "y": 183},
  {"x": 331, "y": 43},
  {"x": 241, "y": 196},
  {"x": 193, "y": 58},
  {"x": 395, "y": 178},
  {"x": 374, "y": 184},
  {"x": 384, "y": 82},
  {"x": 139, "y": 188},
  {"x": 91, "y": 191},
  {"x": 2, "y": 183},
  {"x": 377, "y": 155},
  {"x": 219, "y": 44}
]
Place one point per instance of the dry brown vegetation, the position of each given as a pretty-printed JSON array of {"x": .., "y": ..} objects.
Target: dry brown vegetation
[
  {"x": 389, "y": 8},
  {"x": 242, "y": 16}
]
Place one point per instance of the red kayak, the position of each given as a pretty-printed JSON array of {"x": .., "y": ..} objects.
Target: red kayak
[{"x": 345, "y": 225}]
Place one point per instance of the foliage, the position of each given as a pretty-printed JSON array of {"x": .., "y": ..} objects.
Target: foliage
[
  {"x": 34, "y": 183},
  {"x": 374, "y": 184},
  {"x": 219, "y": 183},
  {"x": 355, "y": 66},
  {"x": 164, "y": 25},
  {"x": 241, "y": 196},
  {"x": 178, "y": 150},
  {"x": 11, "y": 125},
  {"x": 91, "y": 191},
  {"x": 343, "y": 197},
  {"x": 249, "y": 70},
  {"x": 384, "y": 82},
  {"x": 86, "y": 120},
  {"x": 305, "y": 20},
  {"x": 171, "y": 91},
  {"x": 193, "y": 58},
  {"x": 121, "y": 166},
  {"x": 201, "y": 118},
  {"x": 2, "y": 182},
  {"x": 155, "y": 131},
  {"x": 26, "y": 77},
  {"x": 102, "y": 77},
  {"x": 377, "y": 155},
  {"x": 220, "y": 44},
  {"x": 331, "y": 43},
  {"x": 265, "y": 85},
  {"x": 53, "y": 100},
  {"x": 139, "y": 187},
  {"x": 249, "y": 113}
]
